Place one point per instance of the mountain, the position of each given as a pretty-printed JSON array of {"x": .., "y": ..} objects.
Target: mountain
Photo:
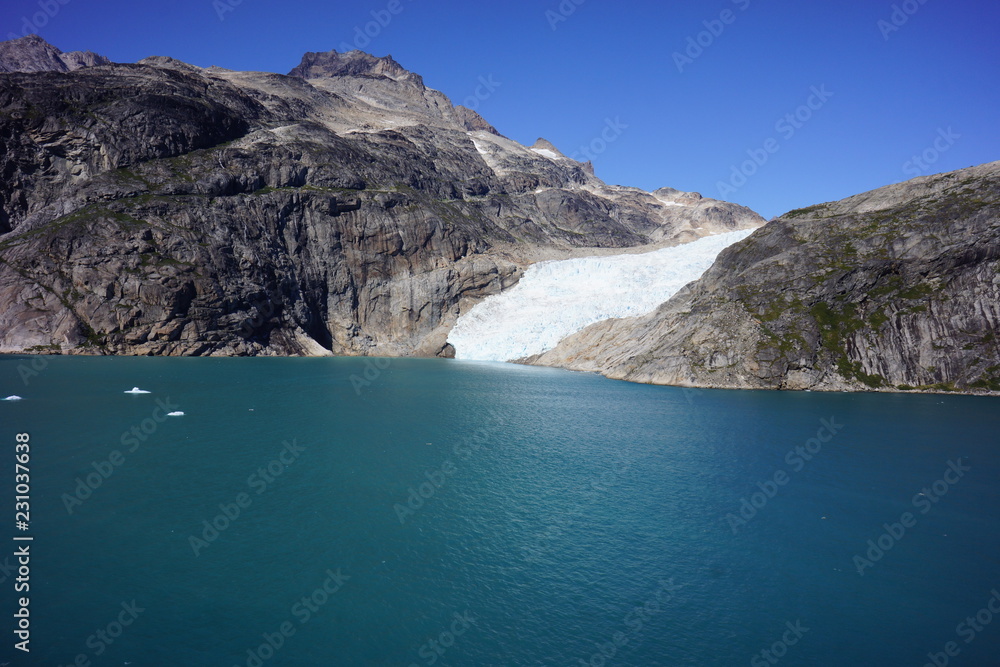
[
  {"x": 343, "y": 208},
  {"x": 34, "y": 54},
  {"x": 898, "y": 288}
]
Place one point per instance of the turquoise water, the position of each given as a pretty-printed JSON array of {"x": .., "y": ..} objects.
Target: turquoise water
[{"x": 461, "y": 513}]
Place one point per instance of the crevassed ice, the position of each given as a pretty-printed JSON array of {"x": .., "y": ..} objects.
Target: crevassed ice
[{"x": 557, "y": 298}]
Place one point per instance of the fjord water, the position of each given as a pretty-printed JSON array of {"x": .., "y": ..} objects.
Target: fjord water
[{"x": 559, "y": 515}]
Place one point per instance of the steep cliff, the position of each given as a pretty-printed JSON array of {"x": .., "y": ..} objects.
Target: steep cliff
[
  {"x": 162, "y": 208},
  {"x": 898, "y": 288},
  {"x": 34, "y": 54}
]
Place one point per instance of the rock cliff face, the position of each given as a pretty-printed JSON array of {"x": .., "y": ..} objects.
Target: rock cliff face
[
  {"x": 161, "y": 208},
  {"x": 34, "y": 54},
  {"x": 898, "y": 288}
]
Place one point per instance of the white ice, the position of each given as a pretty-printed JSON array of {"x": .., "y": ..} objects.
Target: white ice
[
  {"x": 557, "y": 298},
  {"x": 13, "y": 398},
  {"x": 136, "y": 390},
  {"x": 546, "y": 152}
]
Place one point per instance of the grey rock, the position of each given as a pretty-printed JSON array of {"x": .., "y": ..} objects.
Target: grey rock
[
  {"x": 898, "y": 288},
  {"x": 34, "y": 54},
  {"x": 343, "y": 209}
]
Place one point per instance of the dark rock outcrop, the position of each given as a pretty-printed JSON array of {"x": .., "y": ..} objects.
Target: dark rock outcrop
[
  {"x": 898, "y": 288},
  {"x": 161, "y": 208},
  {"x": 34, "y": 54}
]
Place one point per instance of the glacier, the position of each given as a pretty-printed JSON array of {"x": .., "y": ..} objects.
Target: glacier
[{"x": 560, "y": 297}]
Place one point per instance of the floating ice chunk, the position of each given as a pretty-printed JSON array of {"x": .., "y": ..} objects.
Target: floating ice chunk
[
  {"x": 13, "y": 398},
  {"x": 136, "y": 390},
  {"x": 557, "y": 298},
  {"x": 176, "y": 413}
]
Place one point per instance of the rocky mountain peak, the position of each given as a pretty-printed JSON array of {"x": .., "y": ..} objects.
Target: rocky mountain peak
[
  {"x": 546, "y": 145},
  {"x": 472, "y": 121},
  {"x": 353, "y": 63},
  {"x": 34, "y": 54}
]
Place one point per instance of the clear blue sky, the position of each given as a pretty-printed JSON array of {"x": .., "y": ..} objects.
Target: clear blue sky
[{"x": 895, "y": 92}]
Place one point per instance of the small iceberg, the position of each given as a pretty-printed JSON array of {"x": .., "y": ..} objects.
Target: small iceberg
[
  {"x": 13, "y": 398},
  {"x": 176, "y": 413},
  {"x": 136, "y": 390}
]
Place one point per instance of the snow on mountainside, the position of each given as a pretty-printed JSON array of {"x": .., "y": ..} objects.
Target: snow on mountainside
[{"x": 557, "y": 298}]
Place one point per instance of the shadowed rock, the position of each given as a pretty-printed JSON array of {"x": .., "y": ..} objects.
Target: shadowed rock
[{"x": 344, "y": 209}]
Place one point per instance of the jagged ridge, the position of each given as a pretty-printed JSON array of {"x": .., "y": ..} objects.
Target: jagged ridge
[
  {"x": 898, "y": 288},
  {"x": 221, "y": 212}
]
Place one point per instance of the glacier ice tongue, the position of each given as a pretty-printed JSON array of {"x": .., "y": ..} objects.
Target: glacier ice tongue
[{"x": 557, "y": 298}]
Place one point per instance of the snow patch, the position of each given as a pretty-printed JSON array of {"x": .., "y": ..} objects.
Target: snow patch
[
  {"x": 667, "y": 202},
  {"x": 546, "y": 153},
  {"x": 557, "y": 298}
]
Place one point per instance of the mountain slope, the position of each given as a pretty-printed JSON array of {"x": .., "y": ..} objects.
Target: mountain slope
[
  {"x": 34, "y": 54},
  {"x": 345, "y": 208},
  {"x": 894, "y": 288}
]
